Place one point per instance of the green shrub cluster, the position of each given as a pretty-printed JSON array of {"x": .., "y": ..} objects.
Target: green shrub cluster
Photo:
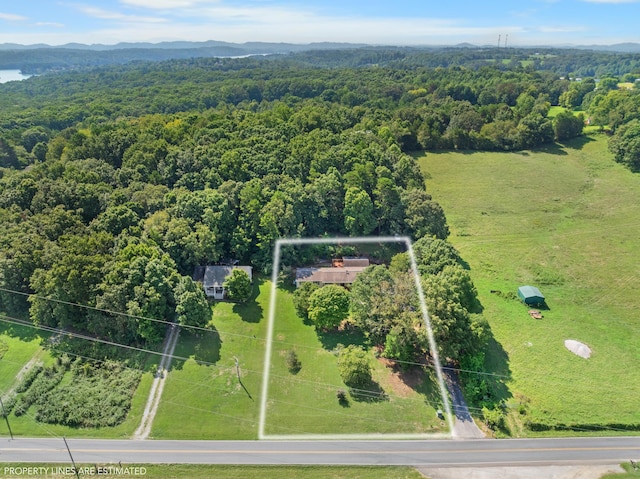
[
  {"x": 8, "y": 403},
  {"x": 97, "y": 396},
  {"x": 29, "y": 377},
  {"x": 539, "y": 426},
  {"x": 293, "y": 362},
  {"x": 36, "y": 393}
]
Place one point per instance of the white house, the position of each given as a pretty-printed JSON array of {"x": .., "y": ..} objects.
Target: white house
[{"x": 214, "y": 277}]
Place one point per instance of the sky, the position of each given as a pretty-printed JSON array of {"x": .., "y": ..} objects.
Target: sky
[{"x": 388, "y": 22}]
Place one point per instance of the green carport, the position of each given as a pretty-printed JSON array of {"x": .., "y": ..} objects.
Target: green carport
[{"x": 530, "y": 295}]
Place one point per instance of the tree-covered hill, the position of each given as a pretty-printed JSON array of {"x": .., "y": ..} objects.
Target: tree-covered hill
[{"x": 116, "y": 181}]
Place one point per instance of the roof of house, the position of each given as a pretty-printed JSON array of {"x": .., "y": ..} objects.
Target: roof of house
[
  {"x": 348, "y": 261},
  {"x": 344, "y": 275},
  {"x": 215, "y": 275}
]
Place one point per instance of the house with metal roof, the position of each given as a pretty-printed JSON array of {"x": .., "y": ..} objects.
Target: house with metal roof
[
  {"x": 530, "y": 295},
  {"x": 342, "y": 273},
  {"x": 214, "y": 276}
]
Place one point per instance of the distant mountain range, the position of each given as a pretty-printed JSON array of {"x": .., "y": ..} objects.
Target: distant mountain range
[
  {"x": 246, "y": 48},
  {"x": 257, "y": 48},
  {"x": 41, "y": 58}
]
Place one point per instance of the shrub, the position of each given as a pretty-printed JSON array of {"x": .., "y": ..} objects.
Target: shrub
[
  {"x": 102, "y": 397},
  {"x": 494, "y": 418},
  {"x": 354, "y": 367},
  {"x": 293, "y": 363},
  {"x": 29, "y": 377},
  {"x": 8, "y": 403},
  {"x": 341, "y": 394}
]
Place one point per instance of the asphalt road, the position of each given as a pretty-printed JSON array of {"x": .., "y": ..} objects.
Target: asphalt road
[{"x": 440, "y": 453}]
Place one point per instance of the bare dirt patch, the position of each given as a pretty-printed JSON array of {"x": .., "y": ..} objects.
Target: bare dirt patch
[
  {"x": 402, "y": 382},
  {"x": 546, "y": 472}
]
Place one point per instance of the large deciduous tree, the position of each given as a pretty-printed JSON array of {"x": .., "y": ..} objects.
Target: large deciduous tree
[
  {"x": 354, "y": 367},
  {"x": 238, "y": 285},
  {"x": 625, "y": 145},
  {"x": 433, "y": 255},
  {"x": 423, "y": 216},
  {"x": 192, "y": 308},
  {"x": 301, "y": 298},
  {"x": 328, "y": 306},
  {"x": 359, "y": 218},
  {"x": 566, "y": 125},
  {"x": 450, "y": 320},
  {"x": 385, "y": 307}
]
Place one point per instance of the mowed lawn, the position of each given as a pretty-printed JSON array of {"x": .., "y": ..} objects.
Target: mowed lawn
[
  {"x": 207, "y": 471},
  {"x": 305, "y": 403},
  {"x": 567, "y": 220},
  {"x": 204, "y": 399}
]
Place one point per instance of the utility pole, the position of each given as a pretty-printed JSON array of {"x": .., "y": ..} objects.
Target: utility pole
[
  {"x": 72, "y": 461},
  {"x": 505, "y": 40},
  {"x": 499, "y": 37},
  {"x": 6, "y": 418}
]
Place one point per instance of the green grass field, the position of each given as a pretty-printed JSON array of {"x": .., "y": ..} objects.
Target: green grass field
[
  {"x": 567, "y": 220},
  {"x": 203, "y": 398},
  {"x": 192, "y": 471},
  {"x": 305, "y": 402},
  {"x": 630, "y": 472},
  {"x": 554, "y": 110}
]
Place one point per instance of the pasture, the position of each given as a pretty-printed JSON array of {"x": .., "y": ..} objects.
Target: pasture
[{"x": 566, "y": 219}]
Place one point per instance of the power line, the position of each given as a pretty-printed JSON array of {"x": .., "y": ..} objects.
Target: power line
[
  {"x": 373, "y": 394},
  {"x": 200, "y": 328}
]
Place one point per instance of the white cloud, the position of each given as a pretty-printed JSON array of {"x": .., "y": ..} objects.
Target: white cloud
[
  {"x": 49, "y": 24},
  {"x": 201, "y": 20},
  {"x": 562, "y": 29},
  {"x": 165, "y": 4},
  {"x": 102, "y": 14},
  {"x": 11, "y": 17}
]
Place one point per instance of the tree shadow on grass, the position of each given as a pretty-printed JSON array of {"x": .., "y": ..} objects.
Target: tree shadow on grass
[
  {"x": 331, "y": 339},
  {"x": 370, "y": 392},
  {"x": 251, "y": 311},
  {"x": 421, "y": 377},
  {"x": 202, "y": 346},
  {"x": 26, "y": 333},
  {"x": 578, "y": 142},
  {"x": 476, "y": 306},
  {"x": 496, "y": 375},
  {"x": 551, "y": 148}
]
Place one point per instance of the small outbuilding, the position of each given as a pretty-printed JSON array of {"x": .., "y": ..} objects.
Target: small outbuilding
[{"x": 530, "y": 295}]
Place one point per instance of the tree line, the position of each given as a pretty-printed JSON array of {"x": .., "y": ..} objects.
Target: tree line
[{"x": 115, "y": 182}]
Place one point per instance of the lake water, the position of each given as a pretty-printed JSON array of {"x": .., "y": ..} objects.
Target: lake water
[{"x": 12, "y": 75}]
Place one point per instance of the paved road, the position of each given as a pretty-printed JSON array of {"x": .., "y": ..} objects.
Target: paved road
[
  {"x": 440, "y": 453},
  {"x": 464, "y": 426}
]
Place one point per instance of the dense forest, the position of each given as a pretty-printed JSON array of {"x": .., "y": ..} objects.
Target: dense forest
[{"x": 117, "y": 181}]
